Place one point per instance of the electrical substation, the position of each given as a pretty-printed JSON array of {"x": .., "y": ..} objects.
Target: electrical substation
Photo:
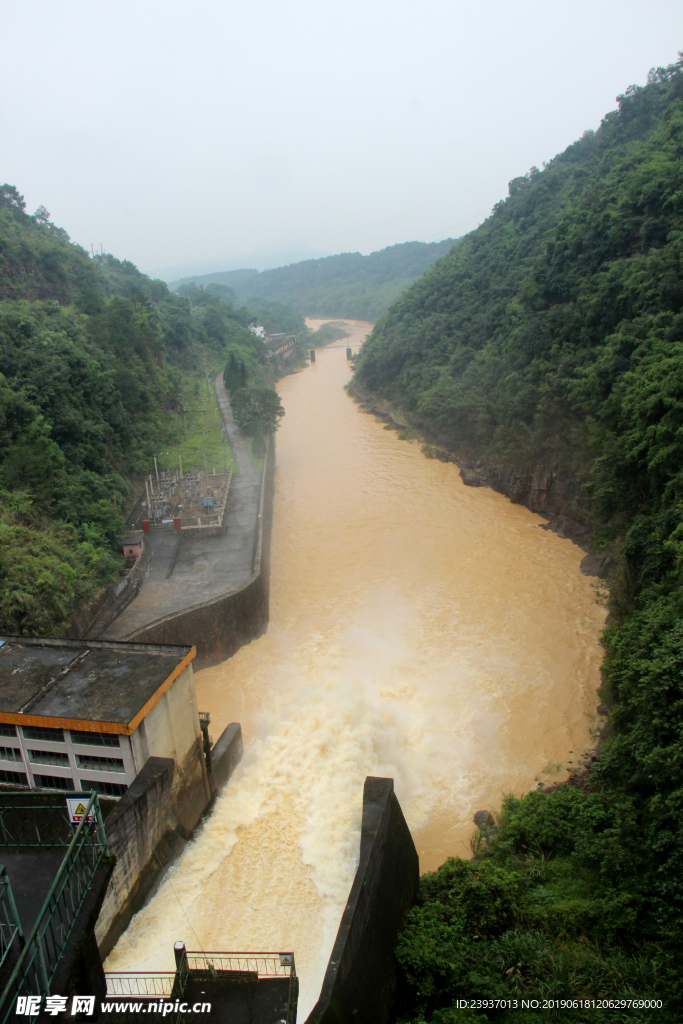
[{"x": 178, "y": 499}]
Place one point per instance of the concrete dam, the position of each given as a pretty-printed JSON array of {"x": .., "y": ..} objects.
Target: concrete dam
[{"x": 420, "y": 631}]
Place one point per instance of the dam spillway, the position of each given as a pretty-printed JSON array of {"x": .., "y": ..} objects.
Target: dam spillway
[{"x": 419, "y": 630}]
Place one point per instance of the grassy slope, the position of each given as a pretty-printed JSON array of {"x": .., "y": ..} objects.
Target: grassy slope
[
  {"x": 204, "y": 435},
  {"x": 553, "y": 337}
]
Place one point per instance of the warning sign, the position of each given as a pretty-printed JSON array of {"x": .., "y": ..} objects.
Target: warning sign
[
  {"x": 76, "y": 806},
  {"x": 286, "y": 959}
]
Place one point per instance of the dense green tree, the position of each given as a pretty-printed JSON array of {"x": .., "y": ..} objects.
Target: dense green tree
[
  {"x": 91, "y": 353},
  {"x": 11, "y": 199},
  {"x": 257, "y": 408},
  {"x": 551, "y": 338}
]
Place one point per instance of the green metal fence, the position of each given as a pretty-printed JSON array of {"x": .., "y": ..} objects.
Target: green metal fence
[
  {"x": 34, "y": 823},
  {"x": 38, "y": 960},
  {"x": 10, "y": 927}
]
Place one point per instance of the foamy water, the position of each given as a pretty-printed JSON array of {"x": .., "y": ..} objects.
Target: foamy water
[{"x": 420, "y": 630}]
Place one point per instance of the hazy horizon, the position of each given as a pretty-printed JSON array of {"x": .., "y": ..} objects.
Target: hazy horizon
[
  {"x": 261, "y": 136},
  {"x": 266, "y": 259}
]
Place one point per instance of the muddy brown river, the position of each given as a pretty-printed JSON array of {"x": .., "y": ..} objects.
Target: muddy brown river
[{"x": 419, "y": 629}]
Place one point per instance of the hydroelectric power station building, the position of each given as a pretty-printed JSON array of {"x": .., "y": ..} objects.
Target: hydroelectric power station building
[{"x": 86, "y": 715}]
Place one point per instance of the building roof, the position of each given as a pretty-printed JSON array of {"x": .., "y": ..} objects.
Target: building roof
[
  {"x": 133, "y": 538},
  {"x": 92, "y": 685}
]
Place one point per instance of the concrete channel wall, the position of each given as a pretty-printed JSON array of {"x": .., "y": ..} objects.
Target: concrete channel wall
[
  {"x": 360, "y": 984},
  {"x": 148, "y": 827},
  {"x": 143, "y": 832},
  {"x": 219, "y": 627},
  {"x": 226, "y": 754}
]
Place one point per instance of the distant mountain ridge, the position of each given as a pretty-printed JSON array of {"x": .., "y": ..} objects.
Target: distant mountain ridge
[{"x": 346, "y": 285}]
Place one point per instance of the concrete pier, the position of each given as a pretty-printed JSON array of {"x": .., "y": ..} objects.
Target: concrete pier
[{"x": 360, "y": 981}]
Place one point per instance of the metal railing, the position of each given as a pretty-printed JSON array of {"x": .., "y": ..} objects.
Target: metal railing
[
  {"x": 129, "y": 985},
  {"x": 10, "y": 926},
  {"x": 249, "y": 966},
  {"x": 258, "y": 965},
  {"x": 40, "y": 957},
  {"x": 36, "y": 823},
  {"x": 144, "y": 992}
]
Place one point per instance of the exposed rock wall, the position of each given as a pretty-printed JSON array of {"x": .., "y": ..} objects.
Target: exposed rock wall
[
  {"x": 541, "y": 488},
  {"x": 549, "y": 490}
]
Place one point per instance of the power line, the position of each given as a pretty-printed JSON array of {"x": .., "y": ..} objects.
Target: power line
[{"x": 442, "y": 234}]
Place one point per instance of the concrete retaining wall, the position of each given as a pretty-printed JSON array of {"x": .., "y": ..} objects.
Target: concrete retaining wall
[
  {"x": 117, "y": 599},
  {"x": 226, "y": 754},
  {"x": 360, "y": 984},
  {"x": 218, "y": 628},
  {"x": 142, "y": 831}
]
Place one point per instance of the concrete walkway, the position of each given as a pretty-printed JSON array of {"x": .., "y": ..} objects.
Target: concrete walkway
[{"x": 185, "y": 569}]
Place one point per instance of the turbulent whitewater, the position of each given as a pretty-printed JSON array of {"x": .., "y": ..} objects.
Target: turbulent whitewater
[{"x": 419, "y": 629}]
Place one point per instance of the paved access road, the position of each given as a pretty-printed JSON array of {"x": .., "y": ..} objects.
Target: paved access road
[{"x": 186, "y": 569}]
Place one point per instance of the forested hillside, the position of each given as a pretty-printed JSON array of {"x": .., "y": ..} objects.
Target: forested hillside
[
  {"x": 91, "y": 353},
  {"x": 347, "y": 285},
  {"x": 550, "y": 341}
]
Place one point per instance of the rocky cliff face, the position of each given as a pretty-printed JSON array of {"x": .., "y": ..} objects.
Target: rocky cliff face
[
  {"x": 541, "y": 489},
  {"x": 551, "y": 494}
]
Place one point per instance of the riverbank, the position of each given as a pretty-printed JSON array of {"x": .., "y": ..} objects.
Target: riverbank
[{"x": 545, "y": 489}]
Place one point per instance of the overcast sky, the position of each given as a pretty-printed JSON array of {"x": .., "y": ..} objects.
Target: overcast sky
[{"x": 213, "y": 134}]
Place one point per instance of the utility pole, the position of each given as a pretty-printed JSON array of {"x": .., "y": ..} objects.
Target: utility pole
[
  {"x": 182, "y": 403},
  {"x": 156, "y": 469},
  {"x": 206, "y": 429}
]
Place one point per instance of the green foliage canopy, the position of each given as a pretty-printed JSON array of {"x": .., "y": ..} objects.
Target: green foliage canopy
[
  {"x": 552, "y": 338},
  {"x": 91, "y": 352}
]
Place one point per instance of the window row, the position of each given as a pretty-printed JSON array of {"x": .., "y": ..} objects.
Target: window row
[
  {"x": 66, "y": 785},
  {"x": 78, "y": 736},
  {"x": 89, "y": 761}
]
